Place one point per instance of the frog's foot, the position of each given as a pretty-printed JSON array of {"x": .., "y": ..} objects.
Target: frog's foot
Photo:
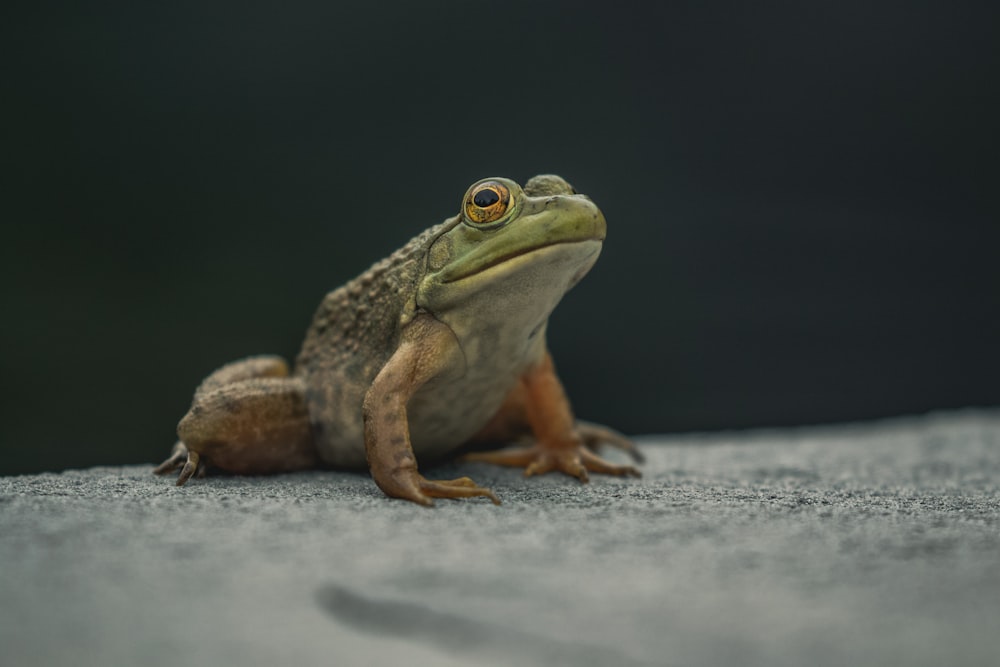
[
  {"x": 596, "y": 436},
  {"x": 188, "y": 462},
  {"x": 408, "y": 484},
  {"x": 538, "y": 459}
]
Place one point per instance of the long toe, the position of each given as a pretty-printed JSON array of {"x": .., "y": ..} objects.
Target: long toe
[{"x": 190, "y": 467}]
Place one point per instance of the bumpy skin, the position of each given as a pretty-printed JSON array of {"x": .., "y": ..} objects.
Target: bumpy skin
[{"x": 438, "y": 346}]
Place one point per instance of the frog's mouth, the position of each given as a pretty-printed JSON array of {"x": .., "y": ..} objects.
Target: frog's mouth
[
  {"x": 474, "y": 265},
  {"x": 562, "y": 221}
]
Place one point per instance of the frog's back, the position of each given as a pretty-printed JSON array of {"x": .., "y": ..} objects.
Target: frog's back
[{"x": 353, "y": 333}]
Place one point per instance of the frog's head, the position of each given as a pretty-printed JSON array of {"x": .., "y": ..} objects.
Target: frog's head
[{"x": 521, "y": 246}]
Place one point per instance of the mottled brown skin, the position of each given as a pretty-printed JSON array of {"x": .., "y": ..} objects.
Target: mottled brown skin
[{"x": 438, "y": 347}]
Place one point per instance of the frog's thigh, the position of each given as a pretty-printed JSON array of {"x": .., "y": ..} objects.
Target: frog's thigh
[
  {"x": 262, "y": 366},
  {"x": 253, "y": 426}
]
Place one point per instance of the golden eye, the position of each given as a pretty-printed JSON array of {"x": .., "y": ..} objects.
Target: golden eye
[{"x": 487, "y": 202}]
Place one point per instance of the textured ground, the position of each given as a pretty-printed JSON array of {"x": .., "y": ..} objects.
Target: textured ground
[{"x": 866, "y": 544}]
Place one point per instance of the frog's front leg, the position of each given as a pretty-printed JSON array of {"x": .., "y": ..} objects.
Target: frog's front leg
[
  {"x": 421, "y": 355},
  {"x": 248, "y": 418},
  {"x": 561, "y": 443}
]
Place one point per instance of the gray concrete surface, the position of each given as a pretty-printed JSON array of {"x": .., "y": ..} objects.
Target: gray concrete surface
[{"x": 866, "y": 544}]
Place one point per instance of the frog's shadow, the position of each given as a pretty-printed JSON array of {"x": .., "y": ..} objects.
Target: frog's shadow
[{"x": 459, "y": 634}]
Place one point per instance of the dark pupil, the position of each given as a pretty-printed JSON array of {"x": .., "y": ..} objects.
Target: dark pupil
[{"x": 485, "y": 198}]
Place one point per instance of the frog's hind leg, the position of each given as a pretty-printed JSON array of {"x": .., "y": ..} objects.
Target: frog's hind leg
[
  {"x": 511, "y": 423},
  {"x": 248, "y": 417},
  {"x": 538, "y": 405},
  {"x": 179, "y": 456},
  {"x": 261, "y": 366}
]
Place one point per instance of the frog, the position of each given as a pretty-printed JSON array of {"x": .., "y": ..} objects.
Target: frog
[{"x": 439, "y": 350}]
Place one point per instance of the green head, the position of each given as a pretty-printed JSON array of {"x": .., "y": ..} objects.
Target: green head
[{"x": 538, "y": 240}]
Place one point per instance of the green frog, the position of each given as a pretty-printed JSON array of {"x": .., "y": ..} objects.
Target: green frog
[{"x": 437, "y": 349}]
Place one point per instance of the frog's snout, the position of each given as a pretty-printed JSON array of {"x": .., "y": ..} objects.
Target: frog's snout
[{"x": 579, "y": 218}]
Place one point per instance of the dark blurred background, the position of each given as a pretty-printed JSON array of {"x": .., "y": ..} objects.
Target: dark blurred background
[{"x": 801, "y": 198}]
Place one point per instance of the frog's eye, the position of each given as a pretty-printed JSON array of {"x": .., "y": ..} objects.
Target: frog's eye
[{"x": 487, "y": 202}]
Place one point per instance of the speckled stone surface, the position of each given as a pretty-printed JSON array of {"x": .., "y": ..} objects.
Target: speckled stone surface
[{"x": 865, "y": 544}]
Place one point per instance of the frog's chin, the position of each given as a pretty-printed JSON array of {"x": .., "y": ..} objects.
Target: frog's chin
[{"x": 533, "y": 279}]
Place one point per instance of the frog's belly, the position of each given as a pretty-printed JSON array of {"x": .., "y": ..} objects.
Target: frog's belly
[{"x": 443, "y": 417}]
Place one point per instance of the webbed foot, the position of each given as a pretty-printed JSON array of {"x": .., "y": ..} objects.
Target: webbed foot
[
  {"x": 595, "y": 436},
  {"x": 574, "y": 460}
]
